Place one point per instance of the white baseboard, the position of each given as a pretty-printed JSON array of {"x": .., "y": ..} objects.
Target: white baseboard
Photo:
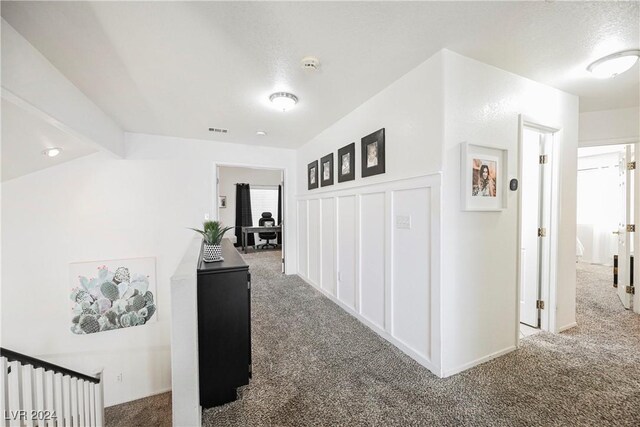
[
  {"x": 384, "y": 334},
  {"x": 479, "y": 361},
  {"x": 566, "y": 327}
]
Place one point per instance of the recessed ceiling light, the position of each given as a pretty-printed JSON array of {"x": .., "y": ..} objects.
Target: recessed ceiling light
[
  {"x": 261, "y": 133},
  {"x": 612, "y": 65},
  {"x": 52, "y": 152},
  {"x": 283, "y": 100}
]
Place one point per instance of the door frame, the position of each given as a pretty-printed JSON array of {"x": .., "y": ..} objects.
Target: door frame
[
  {"x": 284, "y": 182},
  {"x": 548, "y": 288}
]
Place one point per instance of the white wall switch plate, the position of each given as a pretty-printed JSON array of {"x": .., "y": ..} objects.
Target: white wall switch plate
[{"x": 403, "y": 221}]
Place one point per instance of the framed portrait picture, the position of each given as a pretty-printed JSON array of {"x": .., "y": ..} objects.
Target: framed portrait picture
[
  {"x": 312, "y": 175},
  {"x": 222, "y": 201},
  {"x": 347, "y": 163},
  {"x": 484, "y": 178},
  {"x": 326, "y": 167},
  {"x": 372, "y": 149}
]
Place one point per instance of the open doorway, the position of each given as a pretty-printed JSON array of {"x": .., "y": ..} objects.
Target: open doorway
[
  {"x": 606, "y": 220},
  {"x": 537, "y": 236},
  {"x": 251, "y": 200}
]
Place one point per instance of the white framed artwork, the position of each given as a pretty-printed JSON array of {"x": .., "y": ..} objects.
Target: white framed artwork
[{"x": 483, "y": 177}]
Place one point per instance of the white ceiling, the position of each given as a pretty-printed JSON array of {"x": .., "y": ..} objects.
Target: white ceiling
[
  {"x": 26, "y": 135},
  {"x": 178, "y": 68}
]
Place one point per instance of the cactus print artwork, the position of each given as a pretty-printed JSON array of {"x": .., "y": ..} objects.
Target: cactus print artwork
[{"x": 112, "y": 295}]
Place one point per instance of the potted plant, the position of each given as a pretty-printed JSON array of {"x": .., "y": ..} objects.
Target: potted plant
[{"x": 212, "y": 233}]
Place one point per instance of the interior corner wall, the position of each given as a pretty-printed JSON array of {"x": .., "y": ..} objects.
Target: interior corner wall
[
  {"x": 482, "y": 106},
  {"x": 607, "y": 127},
  {"x": 349, "y": 246},
  {"x": 99, "y": 208}
]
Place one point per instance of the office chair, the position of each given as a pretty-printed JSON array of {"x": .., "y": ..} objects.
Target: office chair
[{"x": 267, "y": 220}]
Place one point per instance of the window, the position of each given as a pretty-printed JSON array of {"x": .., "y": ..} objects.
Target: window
[{"x": 264, "y": 199}]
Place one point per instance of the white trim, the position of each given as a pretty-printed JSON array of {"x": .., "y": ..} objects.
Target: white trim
[
  {"x": 567, "y": 327},
  {"x": 607, "y": 141},
  {"x": 479, "y": 361},
  {"x": 433, "y": 182},
  {"x": 407, "y": 350},
  {"x": 548, "y": 292},
  {"x": 154, "y": 393}
]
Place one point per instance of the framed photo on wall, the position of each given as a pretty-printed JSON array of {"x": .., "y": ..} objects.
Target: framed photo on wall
[
  {"x": 326, "y": 166},
  {"x": 484, "y": 177},
  {"x": 347, "y": 163},
  {"x": 372, "y": 149},
  {"x": 222, "y": 201},
  {"x": 312, "y": 175}
]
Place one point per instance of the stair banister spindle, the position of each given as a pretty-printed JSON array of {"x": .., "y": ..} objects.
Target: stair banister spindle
[{"x": 4, "y": 391}]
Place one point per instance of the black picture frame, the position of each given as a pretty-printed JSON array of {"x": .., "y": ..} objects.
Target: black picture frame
[
  {"x": 312, "y": 175},
  {"x": 350, "y": 152},
  {"x": 373, "y": 165},
  {"x": 326, "y": 168}
]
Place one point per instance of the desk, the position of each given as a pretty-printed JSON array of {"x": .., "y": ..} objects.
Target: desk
[{"x": 257, "y": 229}]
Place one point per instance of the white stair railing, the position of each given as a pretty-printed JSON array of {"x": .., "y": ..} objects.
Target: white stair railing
[{"x": 37, "y": 393}]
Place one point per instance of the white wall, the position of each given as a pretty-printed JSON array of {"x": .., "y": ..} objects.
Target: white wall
[
  {"x": 482, "y": 105},
  {"x": 229, "y": 177},
  {"x": 100, "y": 208},
  {"x": 349, "y": 246},
  {"x": 31, "y": 81},
  {"x": 606, "y": 127}
]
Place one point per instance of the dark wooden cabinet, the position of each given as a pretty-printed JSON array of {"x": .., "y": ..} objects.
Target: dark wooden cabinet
[{"x": 224, "y": 326}]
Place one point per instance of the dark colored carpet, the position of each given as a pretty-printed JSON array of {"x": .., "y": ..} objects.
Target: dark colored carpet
[{"x": 316, "y": 365}]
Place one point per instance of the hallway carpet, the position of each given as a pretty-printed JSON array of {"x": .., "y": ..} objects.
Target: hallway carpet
[{"x": 315, "y": 365}]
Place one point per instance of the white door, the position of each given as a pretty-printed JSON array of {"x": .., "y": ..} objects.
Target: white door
[
  {"x": 624, "y": 237},
  {"x": 532, "y": 185},
  {"x": 635, "y": 195}
]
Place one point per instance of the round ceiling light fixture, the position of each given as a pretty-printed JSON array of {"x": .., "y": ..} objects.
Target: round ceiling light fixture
[
  {"x": 614, "y": 64},
  {"x": 283, "y": 100},
  {"x": 52, "y": 152},
  {"x": 261, "y": 133}
]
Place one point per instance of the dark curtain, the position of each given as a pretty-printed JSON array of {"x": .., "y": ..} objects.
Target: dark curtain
[
  {"x": 243, "y": 213},
  {"x": 279, "y": 241}
]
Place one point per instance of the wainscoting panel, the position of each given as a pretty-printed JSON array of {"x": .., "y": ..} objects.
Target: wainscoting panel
[
  {"x": 347, "y": 250},
  {"x": 372, "y": 259},
  {"x": 328, "y": 250},
  {"x": 314, "y": 240},
  {"x": 410, "y": 291},
  {"x": 303, "y": 258},
  {"x": 375, "y": 251}
]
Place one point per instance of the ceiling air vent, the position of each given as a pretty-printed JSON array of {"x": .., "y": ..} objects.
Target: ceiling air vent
[{"x": 218, "y": 130}]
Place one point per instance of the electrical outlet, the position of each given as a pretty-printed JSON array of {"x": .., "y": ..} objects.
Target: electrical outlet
[
  {"x": 403, "y": 221},
  {"x": 119, "y": 377}
]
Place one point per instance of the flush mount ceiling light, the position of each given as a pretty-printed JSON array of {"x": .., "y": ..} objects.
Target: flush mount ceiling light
[
  {"x": 52, "y": 152},
  {"x": 283, "y": 100},
  {"x": 261, "y": 133},
  {"x": 612, "y": 65}
]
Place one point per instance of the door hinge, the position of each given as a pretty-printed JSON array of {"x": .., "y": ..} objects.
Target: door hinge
[
  {"x": 631, "y": 166},
  {"x": 542, "y": 232},
  {"x": 544, "y": 159},
  {"x": 630, "y": 290},
  {"x": 631, "y": 228},
  {"x": 540, "y": 304}
]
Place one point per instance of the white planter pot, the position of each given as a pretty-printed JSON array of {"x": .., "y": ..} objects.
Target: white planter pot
[{"x": 212, "y": 253}]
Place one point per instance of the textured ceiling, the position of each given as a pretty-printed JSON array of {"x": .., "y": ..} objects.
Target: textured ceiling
[{"x": 178, "y": 68}]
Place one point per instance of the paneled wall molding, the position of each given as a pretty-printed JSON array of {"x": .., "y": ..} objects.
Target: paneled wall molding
[
  {"x": 375, "y": 251},
  {"x": 331, "y": 192}
]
